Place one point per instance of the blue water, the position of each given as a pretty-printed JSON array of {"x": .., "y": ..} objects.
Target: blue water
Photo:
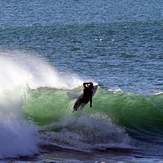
[
  {"x": 118, "y": 44},
  {"x": 124, "y": 55},
  {"x": 47, "y": 12}
]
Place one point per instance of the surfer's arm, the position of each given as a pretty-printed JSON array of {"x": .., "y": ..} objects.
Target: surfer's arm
[{"x": 86, "y": 84}]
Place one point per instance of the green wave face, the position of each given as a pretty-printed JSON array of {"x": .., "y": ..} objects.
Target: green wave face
[
  {"x": 131, "y": 111},
  {"x": 45, "y": 106}
]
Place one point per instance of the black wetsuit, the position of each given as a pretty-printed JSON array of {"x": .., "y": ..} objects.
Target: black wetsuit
[
  {"x": 86, "y": 97},
  {"x": 87, "y": 93}
]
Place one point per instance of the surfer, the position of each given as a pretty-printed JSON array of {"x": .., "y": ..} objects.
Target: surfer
[
  {"x": 86, "y": 97},
  {"x": 87, "y": 93}
]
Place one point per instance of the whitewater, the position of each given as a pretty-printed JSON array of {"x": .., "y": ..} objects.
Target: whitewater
[{"x": 19, "y": 74}]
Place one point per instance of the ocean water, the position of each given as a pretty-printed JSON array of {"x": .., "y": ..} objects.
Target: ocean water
[{"x": 49, "y": 48}]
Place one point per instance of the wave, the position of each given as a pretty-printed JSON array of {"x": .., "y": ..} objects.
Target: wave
[
  {"x": 140, "y": 115},
  {"x": 36, "y": 102}
]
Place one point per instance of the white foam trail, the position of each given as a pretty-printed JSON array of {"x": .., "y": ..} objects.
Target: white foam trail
[
  {"x": 158, "y": 93},
  {"x": 21, "y": 69},
  {"x": 115, "y": 89}
]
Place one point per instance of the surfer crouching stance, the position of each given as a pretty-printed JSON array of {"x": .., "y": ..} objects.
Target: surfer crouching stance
[{"x": 85, "y": 97}]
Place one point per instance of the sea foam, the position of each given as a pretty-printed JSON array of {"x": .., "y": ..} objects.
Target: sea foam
[{"x": 19, "y": 72}]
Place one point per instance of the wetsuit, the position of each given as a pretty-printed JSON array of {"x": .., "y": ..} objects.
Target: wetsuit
[
  {"x": 86, "y": 97},
  {"x": 87, "y": 93}
]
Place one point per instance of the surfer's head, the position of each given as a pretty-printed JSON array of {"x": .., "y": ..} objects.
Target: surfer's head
[{"x": 91, "y": 84}]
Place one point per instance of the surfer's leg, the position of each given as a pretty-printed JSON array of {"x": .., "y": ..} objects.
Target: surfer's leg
[{"x": 77, "y": 105}]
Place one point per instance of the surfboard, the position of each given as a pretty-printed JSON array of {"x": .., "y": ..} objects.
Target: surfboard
[{"x": 79, "y": 104}]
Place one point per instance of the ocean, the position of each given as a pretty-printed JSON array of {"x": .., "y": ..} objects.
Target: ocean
[{"x": 49, "y": 48}]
